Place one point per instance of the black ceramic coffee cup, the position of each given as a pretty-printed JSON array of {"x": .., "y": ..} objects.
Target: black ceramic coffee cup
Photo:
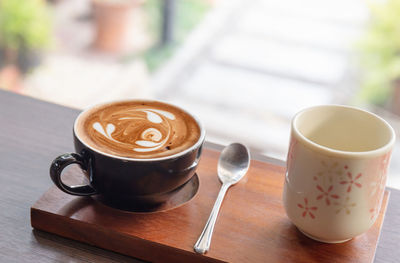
[{"x": 125, "y": 182}]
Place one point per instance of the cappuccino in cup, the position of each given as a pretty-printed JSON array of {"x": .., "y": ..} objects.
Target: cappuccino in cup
[{"x": 134, "y": 152}]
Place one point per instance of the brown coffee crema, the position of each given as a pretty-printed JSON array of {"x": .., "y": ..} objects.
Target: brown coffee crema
[{"x": 138, "y": 129}]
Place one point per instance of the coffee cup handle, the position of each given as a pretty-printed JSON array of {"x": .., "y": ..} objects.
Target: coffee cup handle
[{"x": 58, "y": 165}]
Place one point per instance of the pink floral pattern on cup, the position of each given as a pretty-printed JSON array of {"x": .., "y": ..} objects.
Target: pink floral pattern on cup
[
  {"x": 326, "y": 194},
  {"x": 352, "y": 181},
  {"x": 334, "y": 176},
  {"x": 307, "y": 210}
]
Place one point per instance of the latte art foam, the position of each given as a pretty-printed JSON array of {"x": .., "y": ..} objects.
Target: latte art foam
[
  {"x": 139, "y": 129},
  {"x": 151, "y": 139}
]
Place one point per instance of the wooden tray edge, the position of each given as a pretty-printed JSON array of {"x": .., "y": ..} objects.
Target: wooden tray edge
[{"x": 97, "y": 236}]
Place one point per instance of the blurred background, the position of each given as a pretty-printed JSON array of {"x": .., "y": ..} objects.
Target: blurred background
[{"x": 243, "y": 67}]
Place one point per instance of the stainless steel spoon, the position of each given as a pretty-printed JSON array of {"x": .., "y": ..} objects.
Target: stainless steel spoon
[{"x": 233, "y": 164}]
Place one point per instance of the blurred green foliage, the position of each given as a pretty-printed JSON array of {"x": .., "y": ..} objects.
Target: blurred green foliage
[
  {"x": 380, "y": 48},
  {"x": 24, "y": 24},
  {"x": 188, "y": 14}
]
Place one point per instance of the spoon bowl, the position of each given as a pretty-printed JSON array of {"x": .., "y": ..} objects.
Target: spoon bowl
[{"x": 233, "y": 163}]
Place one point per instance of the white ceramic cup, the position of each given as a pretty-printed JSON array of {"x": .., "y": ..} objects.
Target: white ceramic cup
[{"x": 336, "y": 171}]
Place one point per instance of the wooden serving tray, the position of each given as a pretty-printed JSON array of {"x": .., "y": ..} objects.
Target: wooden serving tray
[{"x": 252, "y": 225}]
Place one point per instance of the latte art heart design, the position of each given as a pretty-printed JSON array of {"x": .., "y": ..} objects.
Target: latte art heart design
[{"x": 151, "y": 138}]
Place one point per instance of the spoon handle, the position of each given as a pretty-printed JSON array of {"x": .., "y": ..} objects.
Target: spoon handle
[{"x": 203, "y": 243}]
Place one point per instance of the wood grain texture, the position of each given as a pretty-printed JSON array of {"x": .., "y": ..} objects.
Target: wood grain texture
[
  {"x": 32, "y": 133},
  {"x": 252, "y": 225}
]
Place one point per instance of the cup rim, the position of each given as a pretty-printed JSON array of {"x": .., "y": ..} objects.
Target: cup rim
[
  {"x": 352, "y": 154},
  {"x": 197, "y": 144}
]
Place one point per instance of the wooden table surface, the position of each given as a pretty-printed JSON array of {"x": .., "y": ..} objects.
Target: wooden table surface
[{"x": 32, "y": 133}]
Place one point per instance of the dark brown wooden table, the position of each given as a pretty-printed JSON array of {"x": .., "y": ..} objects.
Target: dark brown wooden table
[{"x": 32, "y": 133}]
